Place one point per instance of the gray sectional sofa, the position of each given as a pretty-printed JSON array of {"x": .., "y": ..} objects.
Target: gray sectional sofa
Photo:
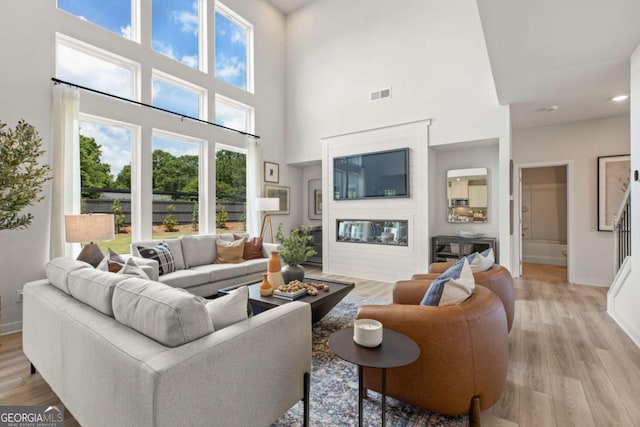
[
  {"x": 127, "y": 351},
  {"x": 195, "y": 270}
]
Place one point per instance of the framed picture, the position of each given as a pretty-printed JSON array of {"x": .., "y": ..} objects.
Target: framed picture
[
  {"x": 271, "y": 172},
  {"x": 314, "y": 207},
  {"x": 281, "y": 193},
  {"x": 614, "y": 175}
]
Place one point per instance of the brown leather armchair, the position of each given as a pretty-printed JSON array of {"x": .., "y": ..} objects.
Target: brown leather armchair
[
  {"x": 463, "y": 360},
  {"x": 497, "y": 278}
]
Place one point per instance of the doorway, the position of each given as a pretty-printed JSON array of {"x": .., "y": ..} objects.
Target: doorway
[{"x": 544, "y": 207}]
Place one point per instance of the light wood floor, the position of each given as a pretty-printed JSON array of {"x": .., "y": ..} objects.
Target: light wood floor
[
  {"x": 570, "y": 364},
  {"x": 544, "y": 272}
]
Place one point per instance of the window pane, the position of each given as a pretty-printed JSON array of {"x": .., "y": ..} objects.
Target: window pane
[
  {"x": 233, "y": 116},
  {"x": 114, "y": 15},
  {"x": 231, "y": 191},
  {"x": 175, "y": 27},
  {"x": 175, "y": 187},
  {"x": 87, "y": 70},
  {"x": 105, "y": 163},
  {"x": 231, "y": 51},
  {"x": 174, "y": 98}
]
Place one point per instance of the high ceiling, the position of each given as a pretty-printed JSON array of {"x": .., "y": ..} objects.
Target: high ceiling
[{"x": 573, "y": 54}]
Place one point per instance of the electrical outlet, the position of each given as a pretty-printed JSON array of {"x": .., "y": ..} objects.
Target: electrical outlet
[{"x": 19, "y": 295}]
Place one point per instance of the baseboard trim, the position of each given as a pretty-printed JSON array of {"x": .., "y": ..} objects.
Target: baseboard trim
[
  {"x": 10, "y": 328},
  {"x": 626, "y": 327}
]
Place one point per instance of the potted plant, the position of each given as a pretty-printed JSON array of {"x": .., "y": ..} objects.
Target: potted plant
[{"x": 294, "y": 250}]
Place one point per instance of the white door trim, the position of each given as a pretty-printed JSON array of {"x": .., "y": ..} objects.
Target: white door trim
[{"x": 517, "y": 217}]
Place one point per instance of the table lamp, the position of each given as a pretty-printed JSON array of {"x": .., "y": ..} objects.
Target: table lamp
[
  {"x": 89, "y": 228},
  {"x": 266, "y": 205}
]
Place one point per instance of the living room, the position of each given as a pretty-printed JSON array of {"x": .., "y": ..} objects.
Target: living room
[{"x": 453, "y": 82}]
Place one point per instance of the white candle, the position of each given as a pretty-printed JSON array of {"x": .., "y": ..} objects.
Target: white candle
[{"x": 367, "y": 332}]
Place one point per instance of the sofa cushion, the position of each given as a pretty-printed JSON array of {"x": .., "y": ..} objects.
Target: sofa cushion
[
  {"x": 256, "y": 265},
  {"x": 218, "y": 272},
  {"x": 229, "y": 309},
  {"x": 198, "y": 250},
  {"x": 175, "y": 246},
  {"x": 252, "y": 247},
  {"x": 168, "y": 315},
  {"x": 162, "y": 254},
  {"x": 58, "y": 269},
  {"x": 95, "y": 288},
  {"x": 453, "y": 286},
  {"x": 186, "y": 278},
  {"x": 229, "y": 252},
  {"x": 481, "y": 261}
]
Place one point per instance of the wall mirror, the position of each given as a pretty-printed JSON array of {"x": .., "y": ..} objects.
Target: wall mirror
[{"x": 467, "y": 195}]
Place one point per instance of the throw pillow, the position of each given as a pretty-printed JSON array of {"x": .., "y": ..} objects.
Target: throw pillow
[
  {"x": 229, "y": 309},
  {"x": 252, "y": 247},
  {"x": 111, "y": 262},
  {"x": 481, "y": 261},
  {"x": 452, "y": 287},
  {"x": 229, "y": 252},
  {"x": 162, "y": 254},
  {"x": 131, "y": 268}
]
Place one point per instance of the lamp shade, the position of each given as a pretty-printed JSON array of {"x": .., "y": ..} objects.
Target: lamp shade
[
  {"x": 266, "y": 204},
  {"x": 88, "y": 228}
]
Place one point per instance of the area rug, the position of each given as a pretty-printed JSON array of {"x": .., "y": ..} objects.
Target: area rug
[{"x": 334, "y": 386}]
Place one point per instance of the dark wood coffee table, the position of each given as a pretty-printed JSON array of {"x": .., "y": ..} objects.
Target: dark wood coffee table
[
  {"x": 396, "y": 350},
  {"x": 321, "y": 304}
]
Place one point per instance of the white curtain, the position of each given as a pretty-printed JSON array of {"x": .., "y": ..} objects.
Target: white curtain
[
  {"x": 254, "y": 182},
  {"x": 65, "y": 196}
]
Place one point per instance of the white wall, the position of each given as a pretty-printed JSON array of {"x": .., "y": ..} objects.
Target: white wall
[
  {"x": 580, "y": 143},
  {"x": 432, "y": 53},
  {"x": 623, "y": 304},
  {"x": 27, "y": 48}
]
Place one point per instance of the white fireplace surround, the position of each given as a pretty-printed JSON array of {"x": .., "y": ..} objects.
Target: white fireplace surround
[{"x": 379, "y": 262}]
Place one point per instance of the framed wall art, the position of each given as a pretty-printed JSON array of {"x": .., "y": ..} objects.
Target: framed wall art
[
  {"x": 271, "y": 172},
  {"x": 281, "y": 193},
  {"x": 314, "y": 191},
  {"x": 614, "y": 175}
]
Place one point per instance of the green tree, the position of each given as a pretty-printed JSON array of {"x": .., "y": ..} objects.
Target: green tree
[
  {"x": 93, "y": 173},
  {"x": 119, "y": 220},
  {"x": 195, "y": 217},
  {"x": 174, "y": 174},
  {"x": 231, "y": 174},
  {"x": 222, "y": 216},
  {"x": 170, "y": 222},
  {"x": 123, "y": 180},
  {"x": 21, "y": 177}
]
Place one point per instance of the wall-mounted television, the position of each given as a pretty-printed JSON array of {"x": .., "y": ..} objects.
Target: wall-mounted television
[{"x": 371, "y": 175}]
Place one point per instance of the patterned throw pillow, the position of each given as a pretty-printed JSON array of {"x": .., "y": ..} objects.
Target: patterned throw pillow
[
  {"x": 162, "y": 254},
  {"x": 481, "y": 261},
  {"x": 452, "y": 287}
]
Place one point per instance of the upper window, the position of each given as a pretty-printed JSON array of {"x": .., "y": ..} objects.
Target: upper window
[
  {"x": 233, "y": 47},
  {"x": 85, "y": 65},
  {"x": 113, "y": 15},
  {"x": 176, "y": 30},
  {"x": 178, "y": 96},
  {"x": 234, "y": 114}
]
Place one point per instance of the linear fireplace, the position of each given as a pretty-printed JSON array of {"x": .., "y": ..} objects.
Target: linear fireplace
[{"x": 373, "y": 231}]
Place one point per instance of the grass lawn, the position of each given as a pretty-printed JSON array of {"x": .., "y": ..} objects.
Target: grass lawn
[{"x": 122, "y": 242}]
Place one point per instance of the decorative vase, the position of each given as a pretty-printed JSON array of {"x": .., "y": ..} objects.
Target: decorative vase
[
  {"x": 273, "y": 267},
  {"x": 292, "y": 272},
  {"x": 265, "y": 287}
]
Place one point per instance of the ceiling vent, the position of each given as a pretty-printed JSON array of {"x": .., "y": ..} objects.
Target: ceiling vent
[{"x": 379, "y": 95}]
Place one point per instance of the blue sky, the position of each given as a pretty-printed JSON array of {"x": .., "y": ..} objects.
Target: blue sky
[{"x": 114, "y": 15}]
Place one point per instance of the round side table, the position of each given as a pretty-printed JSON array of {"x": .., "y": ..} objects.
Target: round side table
[{"x": 396, "y": 350}]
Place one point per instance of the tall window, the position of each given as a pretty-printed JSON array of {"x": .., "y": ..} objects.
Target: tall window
[
  {"x": 95, "y": 68},
  {"x": 113, "y": 15},
  {"x": 234, "y": 114},
  {"x": 234, "y": 48},
  {"x": 176, "y": 30},
  {"x": 105, "y": 174},
  {"x": 231, "y": 189},
  {"x": 178, "y": 96},
  {"x": 175, "y": 185}
]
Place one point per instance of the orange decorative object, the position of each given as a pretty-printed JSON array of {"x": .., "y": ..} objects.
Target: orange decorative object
[
  {"x": 265, "y": 287},
  {"x": 274, "y": 262}
]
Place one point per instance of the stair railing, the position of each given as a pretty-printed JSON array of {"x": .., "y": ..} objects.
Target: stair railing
[{"x": 622, "y": 231}]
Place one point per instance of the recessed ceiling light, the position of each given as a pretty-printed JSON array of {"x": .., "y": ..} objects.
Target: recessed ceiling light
[
  {"x": 548, "y": 108},
  {"x": 620, "y": 98}
]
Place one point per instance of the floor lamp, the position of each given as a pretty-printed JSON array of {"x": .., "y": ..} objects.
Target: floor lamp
[
  {"x": 266, "y": 205},
  {"x": 89, "y": 228}
]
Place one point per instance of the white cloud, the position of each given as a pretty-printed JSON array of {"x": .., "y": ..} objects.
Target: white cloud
[
  {"x": 228, "y": 68},
  {"x": 164, "y": 49},
  {"x": 238, "y": 36},
  {"x": 231, "y": 117},
  {"x": 188, "y": 19},
  {"x": 190, "y": 60},
  {"x": 126, "y": 31}
]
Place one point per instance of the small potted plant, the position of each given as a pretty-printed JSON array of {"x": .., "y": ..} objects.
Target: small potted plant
[{"x": 294, "y": 250}]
